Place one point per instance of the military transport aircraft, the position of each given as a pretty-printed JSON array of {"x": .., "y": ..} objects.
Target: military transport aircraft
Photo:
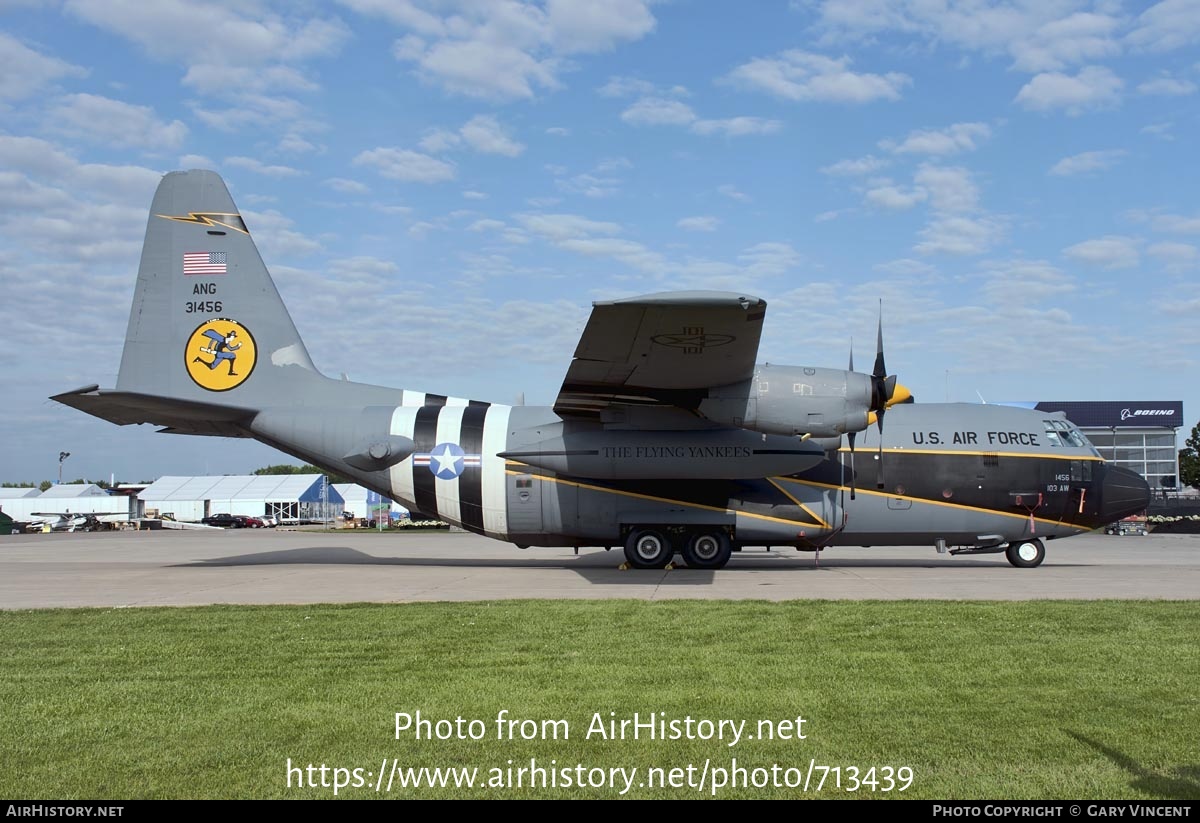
[{"x": 666, "y": 437}]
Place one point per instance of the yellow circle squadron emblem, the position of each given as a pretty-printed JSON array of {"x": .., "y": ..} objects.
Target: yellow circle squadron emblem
[{"x": 220, "y": 354}]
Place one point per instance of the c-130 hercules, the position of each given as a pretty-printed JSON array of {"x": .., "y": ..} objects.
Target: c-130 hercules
[{"x": 665, "y": 438}]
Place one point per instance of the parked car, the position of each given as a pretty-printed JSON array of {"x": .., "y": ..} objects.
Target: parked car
[
  {"x": 225, "y": 520},
  {"x": 268, "y": 521},
  {"x": 251, "y": 522},
  {"x": 1130, "y": 525}
]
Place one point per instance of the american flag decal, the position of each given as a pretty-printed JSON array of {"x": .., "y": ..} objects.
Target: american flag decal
[{"x": 204, "y": 262}]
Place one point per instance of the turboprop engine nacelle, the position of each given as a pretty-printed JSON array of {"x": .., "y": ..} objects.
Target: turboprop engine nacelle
[{"x": 794, "y": 400}]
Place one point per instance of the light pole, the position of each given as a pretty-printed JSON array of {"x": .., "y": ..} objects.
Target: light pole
[{"x": 61, "y": 457}]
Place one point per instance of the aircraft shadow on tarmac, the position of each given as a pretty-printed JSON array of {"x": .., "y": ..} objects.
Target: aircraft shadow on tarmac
[{"x": 600, "y": 568}]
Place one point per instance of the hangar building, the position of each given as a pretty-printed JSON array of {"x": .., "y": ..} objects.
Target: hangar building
[
  {"x": 292, "y": 498},
  {"x": 366, "y": 504},
  {"x": 79, "y": 498}
]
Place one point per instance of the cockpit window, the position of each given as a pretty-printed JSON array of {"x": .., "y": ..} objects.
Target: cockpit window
[
  {"x": 1052, "y": 434},
  {"x": 1063, "y": 433}
]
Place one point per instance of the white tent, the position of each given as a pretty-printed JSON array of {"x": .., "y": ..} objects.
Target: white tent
[
  {"x": 78, "y": 498},
  {"x": 359, "y": 501},
  {"x": 292, "y": 498}
]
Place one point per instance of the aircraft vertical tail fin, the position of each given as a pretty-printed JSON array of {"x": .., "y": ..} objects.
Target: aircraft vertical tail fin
[
  {"x": 207, "y": 322},
  {"x": 209, "y": 340}
]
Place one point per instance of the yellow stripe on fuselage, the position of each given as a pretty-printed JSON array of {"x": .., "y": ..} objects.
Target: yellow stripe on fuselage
[{"x": 819, "y": 524}]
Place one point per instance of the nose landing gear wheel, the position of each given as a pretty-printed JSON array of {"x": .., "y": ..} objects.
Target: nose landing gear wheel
[
  {"x": 707, "y": 550},
  {"x": 1025, "y": 554},
  {"x": 648, "y": 549}
]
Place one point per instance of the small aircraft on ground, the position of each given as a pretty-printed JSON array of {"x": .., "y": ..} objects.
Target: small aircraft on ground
[
  {"x": 72, "y": 521},
  {"x": 666, "y": 437}
]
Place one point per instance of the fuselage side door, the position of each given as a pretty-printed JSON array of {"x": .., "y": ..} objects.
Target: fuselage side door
[{"x": 524, "y": 504}]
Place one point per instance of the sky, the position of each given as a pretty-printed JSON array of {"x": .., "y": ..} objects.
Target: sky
[{"x": 441, "y": 188}]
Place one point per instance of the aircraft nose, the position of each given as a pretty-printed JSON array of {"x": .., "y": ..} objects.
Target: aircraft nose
[{"x": 1124, "y": 493}]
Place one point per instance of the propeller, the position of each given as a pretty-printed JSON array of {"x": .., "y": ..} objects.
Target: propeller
[
  {"x": 885, "y": 391},
  {"x": 851, "y": 435}
]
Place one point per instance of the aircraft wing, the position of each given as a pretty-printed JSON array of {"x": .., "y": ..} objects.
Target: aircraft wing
[{"x": 662, "y": 349}]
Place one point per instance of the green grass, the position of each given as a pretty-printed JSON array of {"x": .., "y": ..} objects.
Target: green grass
[{"x": 981, "y": 700}]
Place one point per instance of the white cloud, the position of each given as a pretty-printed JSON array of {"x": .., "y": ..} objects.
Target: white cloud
[
  {"x": 804, "y": 76},
  {"x": 341, "y": 184},
  {"x": 592, "y": 238},
  {"x": 255, "y": 111},
  {"x": 474, "y": 195},
  {"x": 440, "y": 140},
  {"x": 1176, "y": 224},
  {"x": 1024, "y": 282},
  {"x": 888, "y": 196},
  {"x": 1074, "y": 39},
  {"x": 769, "y": 259},
  {"x": 1167, "y": 86},
  {"x": 258, "y": 167},
  {"x": 904, "y": 267},
  {"x": 105, "y": 120},
  {"x": 196, "y": 161},
  {"x": 959, "y": 235},
  {"x": 951, "y": 140},
  {"x": 658, "y": 111},
  {"x": 485, "y": 135},
  {"x": 831, "y": 214},
  {"x": 1175, "y": 256},
  {"x": 54, "y": 208},
  {"x": 482, "y": 133},
  {"x": 1111, "y": 252},
  {"x": 950, "y": 188},
  {"x": 276, "y": 238},
  {"x": 1086, "y": 162},
  {"x": 590, "y": 185},
  {"x": 1168, "y": 25},
  {"x": 566, "y": 226},
  {"x": 25, "y": 72},
  {"x": 736, "y": 126},
  {"x": 295, "y": 144},
  {"x": 661, "y": 111},
  {"x": 478, "y": 68},
  {"x": 246, "y": 54},
  {"x": 856, "y": 167},
  {"x": 222, "y": 79},
  {"x": 505, "y": 50},
  {"x": 586, "y": 27},
  {"x": 698, "y": 223},
  {"x": 221, "y": 36},
  {"x": 1094, "y": 87},
  {"x": 1037, "y": 36},
  {"x": 626, "y": 87},
  {"x": 611, "y": 164},
  {"x": 486, "y": 225},
  {"x": 1160, "y": 130},
  {"x": 405, "y": 165},
  {"x": 730, "y": 191},
  {"x": 558, "y": 131}
]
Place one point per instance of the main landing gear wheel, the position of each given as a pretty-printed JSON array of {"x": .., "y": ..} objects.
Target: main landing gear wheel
[
  {"x": 1025, "y": 554},
  {"x": 648, "y": 549},
  {"x": 707, "y": 550}
]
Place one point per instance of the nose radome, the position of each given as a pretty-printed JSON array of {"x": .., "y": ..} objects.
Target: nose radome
[{"x": 1124, "y": 493}]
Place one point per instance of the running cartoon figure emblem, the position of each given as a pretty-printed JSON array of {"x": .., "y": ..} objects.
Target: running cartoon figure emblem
[{"x": 220, "y": 354}]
